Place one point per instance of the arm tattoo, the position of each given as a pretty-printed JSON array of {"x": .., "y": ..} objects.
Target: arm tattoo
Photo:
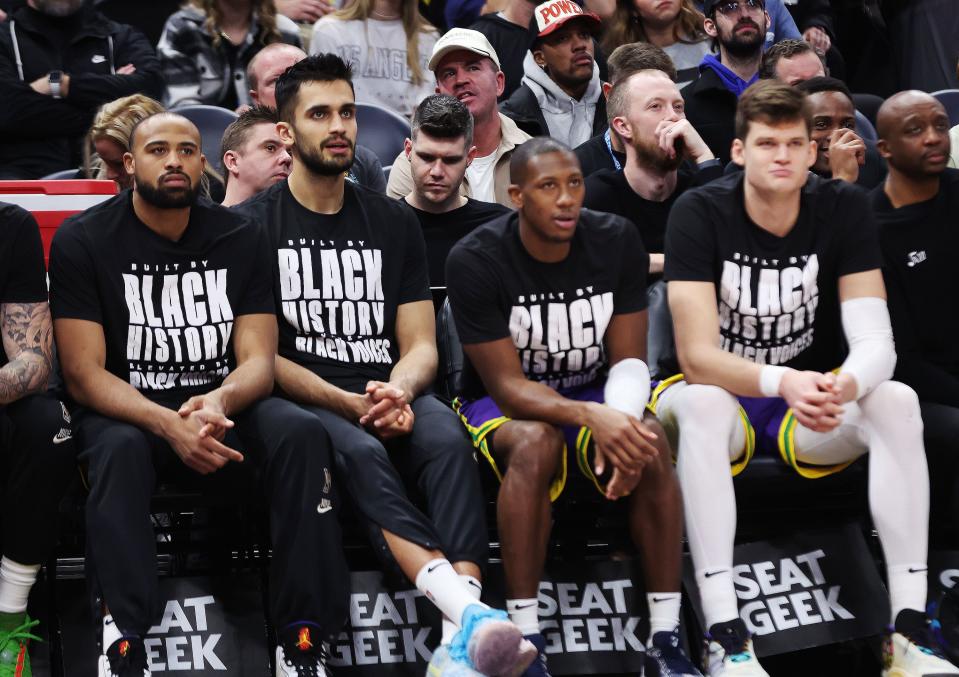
[{"x": 28, "y": 343}]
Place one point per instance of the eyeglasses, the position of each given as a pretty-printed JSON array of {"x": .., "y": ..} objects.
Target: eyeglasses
[{"x": 733, "y": 6}]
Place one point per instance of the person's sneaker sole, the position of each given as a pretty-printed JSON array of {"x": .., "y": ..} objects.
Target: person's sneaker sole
[
  {"x": 899, "y": 672},
  {"x": 498, "y": 649}
]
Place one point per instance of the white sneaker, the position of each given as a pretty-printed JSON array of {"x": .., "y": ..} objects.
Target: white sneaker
[
  {"x": 126, "y": 657},
  {"x": 912, "y": 657},
  {"x": 296, "y": 656},
  {"x": 729, "y": 652}
]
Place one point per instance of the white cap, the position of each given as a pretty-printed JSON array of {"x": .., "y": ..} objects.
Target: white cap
[
  {"x": 554, "y": 13},
  {"x": 462, "y": 38}
]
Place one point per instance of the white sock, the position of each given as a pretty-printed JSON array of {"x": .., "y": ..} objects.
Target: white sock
[
  {"x": 525, "y": 614},
  {"x": 663, "y": 612},
  {"x": 111, "y": 632},
  {"x": 907, "y": 585},
  {"x": 718, "y": 596},
  {"x": 475, "y": 589},
  {"x": 15, "y": 583},
  {"x": 442, "y": 585}
]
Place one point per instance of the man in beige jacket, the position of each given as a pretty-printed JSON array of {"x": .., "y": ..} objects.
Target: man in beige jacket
[{"x": 466, "y": 67}]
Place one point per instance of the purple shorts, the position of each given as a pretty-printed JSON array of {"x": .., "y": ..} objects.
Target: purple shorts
[{"x": 482, "y": 417}]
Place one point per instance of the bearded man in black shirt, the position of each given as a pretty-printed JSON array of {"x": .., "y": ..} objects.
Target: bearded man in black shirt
[
  {"x": 545, "y": 300},
  {"x": 357, "y": 352},
  {"x": 769, "y": 271},
  {"x": 163, "y": 313},
  {"x": 916, "y": 209},
  {"x": 440, "y": 148}
]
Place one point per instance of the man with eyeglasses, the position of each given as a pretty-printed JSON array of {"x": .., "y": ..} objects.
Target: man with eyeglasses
[{"x": 738, "y": 27}]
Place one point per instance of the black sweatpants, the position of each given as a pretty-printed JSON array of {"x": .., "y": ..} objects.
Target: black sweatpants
[
  {"x": 309, "y": 580},
  {"x": 941, "y": 434},
  {"x": 39, "y": 458},
  {"x": 437, "y": 457}
]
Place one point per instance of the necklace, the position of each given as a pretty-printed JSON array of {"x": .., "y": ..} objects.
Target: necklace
[{"x": 384, "y": 17}]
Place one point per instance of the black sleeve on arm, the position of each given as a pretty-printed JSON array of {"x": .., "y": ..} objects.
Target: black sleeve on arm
[
  {"x": 73, "y": 292},
  {"x": 24, "y": 114},
  {"x": 416, "y": 269},
  {"x": 630, "y": 296},
  {"x": 859, "y": 244},
  {"x": 474, "y": 296},
  {"x": 130, "y": 46},
  {"x": 690, "y": 241},
  {"x": 815, "y": 13},
  {"x": 258, "y": 296},
  {"x": 26, "y": 278}
]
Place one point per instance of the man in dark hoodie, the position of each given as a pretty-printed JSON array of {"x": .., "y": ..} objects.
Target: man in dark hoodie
[
  {"x": 739, "y": 28},
  {"x": 60, "y": 60}
]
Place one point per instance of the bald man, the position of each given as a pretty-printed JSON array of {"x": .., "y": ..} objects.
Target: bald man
[
  {"x": 164, "y": 318},
  {"x": 263, "y": 72},
  {"x": 916, "y": 209}
]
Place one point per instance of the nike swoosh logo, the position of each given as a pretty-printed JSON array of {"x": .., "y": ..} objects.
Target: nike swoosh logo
[
  {"x": 666, "y": 599},
  {"x": 434, "y": 568},
  {"x": 324, "y": 506},
  {"x": 913, "y": 570},
  {"x": 525, "y": 606},
  {"x": 62, "y": 436},
  {"x": 710, "y": 574},
  {"x": 108, "y": 622}
]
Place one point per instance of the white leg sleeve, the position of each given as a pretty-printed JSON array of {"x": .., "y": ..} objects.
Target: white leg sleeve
[{"x": 710, "y": 436}]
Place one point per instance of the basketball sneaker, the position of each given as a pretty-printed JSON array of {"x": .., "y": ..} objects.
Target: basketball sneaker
[
  {"x": 490, "y": 644},
  {"x": 729, "y": 651},
  {"x": 442, "y": 665},
  {"x": 297, "y": 656},
  {"x": 911, "y": 649},
  {"x": 538, "y": 667},
  {"x": 14, "y": 636},
  {"x": 665, "y": 657},
  {"x": 126, "y": 657}
]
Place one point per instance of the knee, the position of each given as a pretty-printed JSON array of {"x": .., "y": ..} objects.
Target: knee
[
  {"x": 890, "y": 397},
  {"x": 123, "y": 452},
  {"x": 301, "y": 436},
  {"x": 697, "y": 403},
  {"x": 39, "y": 415},
  {"x": 535, "y": 451}
]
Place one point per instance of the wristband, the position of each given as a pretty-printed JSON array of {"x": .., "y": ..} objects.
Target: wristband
[{"x": 770, "y": 378}]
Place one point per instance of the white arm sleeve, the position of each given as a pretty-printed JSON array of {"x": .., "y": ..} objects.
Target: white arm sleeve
[
  {"x": 872, "y": 353},
  {"x": 627, "y": 387}
]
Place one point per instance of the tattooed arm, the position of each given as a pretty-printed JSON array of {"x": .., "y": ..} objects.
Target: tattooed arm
[{"x": 28, "y": 344}]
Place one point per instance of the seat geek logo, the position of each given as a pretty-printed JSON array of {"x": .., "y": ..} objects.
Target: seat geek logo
[{"x": 187, "y": 643}]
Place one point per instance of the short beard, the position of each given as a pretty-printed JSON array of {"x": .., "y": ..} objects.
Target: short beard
[
  {"x": 654, "y": 157},
  {"x": 744, "y": 48},
  {"x": 166, "y": 199},
  {"x": 312, "y": 158}
]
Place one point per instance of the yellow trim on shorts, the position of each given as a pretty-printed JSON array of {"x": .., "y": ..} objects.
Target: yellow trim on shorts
[
  {"x": 749, "y": 445},
  {"x": 786, "y": 440},
  {"x": 479, "y": 434}
]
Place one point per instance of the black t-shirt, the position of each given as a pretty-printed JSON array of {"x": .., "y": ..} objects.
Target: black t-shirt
[
  {"x": 919, "y": 246},
  {"x": 167, "y": 308},
  {"x": 609, "y": 191},
  {"x": 595, "y": 155},
  {"x": 442, "y": 231},
  {"x": 339, "y": 279},
  {"x": 22, "y": 273},
  {"x": 778, "y": 296},
  {"x": 556, "y": 313}
]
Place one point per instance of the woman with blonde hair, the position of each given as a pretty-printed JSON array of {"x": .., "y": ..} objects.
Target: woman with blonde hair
[
  {"x": 389, "y": 45},
  {"x": 676, "y": 26},
  {"x": 206, "y": 46},
  {"x": 109, "y": 139}
]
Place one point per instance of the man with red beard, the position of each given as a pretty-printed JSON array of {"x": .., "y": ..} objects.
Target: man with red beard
[
  {"x": 738, "y": 27},
  {"x": 665, "y": 155}
]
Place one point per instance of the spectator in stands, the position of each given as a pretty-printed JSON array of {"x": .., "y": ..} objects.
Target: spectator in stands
[
  {"x": 206, "y": 46},
  {"x": 178, "y": 365},
  {"x": 109, "y": 137},
  {"x": 466, "y": 67},
  {"x": 676, "y": 26},
  {"x": 361, "y": 368},
  {"x": 738, "y": 26},
  {"x": 389, "y": 44},
  {"x": 38, "y": 449},
  {"x": 607, "y": 150},
  {"x": 59, "y": 61},
  {"x": 561, "y": 95},
  {"x": 304, "y": 10},
  {"x": 916, "y": 209},
  {"x": 254, "y": 158},
  {"x": 262, "y": 73},
  {"x": 775, "y": 232},
  {"x": 440, "y": 149},
  {"x": 792, "y": 61},
  {"x": 840, "y": 152},
  {"x": 664, "y": 157},
  {"x": 533, "y": 404},
  {"x": 109, "y": 140},
  {"x": 814, "y": 18}
]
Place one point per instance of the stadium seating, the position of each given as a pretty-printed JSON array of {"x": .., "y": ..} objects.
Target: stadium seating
[
  {"x": 52, "y": 201},
  {"x": 61, "y": 175},
  {"x": 382, "y": 131},
  {"x": 865, "y": 128},
  {"x": 950, "y": 99},
  {"x": 212, "y": 121}
]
